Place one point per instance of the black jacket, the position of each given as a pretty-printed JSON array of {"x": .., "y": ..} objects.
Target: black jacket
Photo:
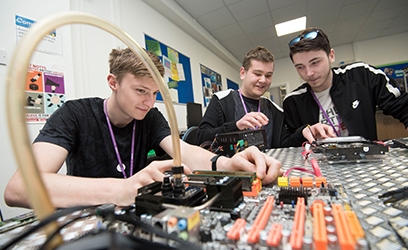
[
  {"x": 356, "y": 91},
  {"x": 220, "y": 118}
]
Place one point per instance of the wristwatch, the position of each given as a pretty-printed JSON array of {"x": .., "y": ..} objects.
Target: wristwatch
[{"x": 214, "y": 162}]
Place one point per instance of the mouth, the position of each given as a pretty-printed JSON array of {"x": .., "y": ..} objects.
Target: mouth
[{"x": 144, "y": 110}]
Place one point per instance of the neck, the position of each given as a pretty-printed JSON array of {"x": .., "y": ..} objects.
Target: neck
[
  {"x": 245, "y": 94},
  {"x": 115, "y": 115}
]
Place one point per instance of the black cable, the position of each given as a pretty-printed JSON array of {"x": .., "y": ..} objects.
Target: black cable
[
  {"x": 50, "y": 237},
  {"x": 182, "y": 243},
  {"x": 42, "y": 223}
]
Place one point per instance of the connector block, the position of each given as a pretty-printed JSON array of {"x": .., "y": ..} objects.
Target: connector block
[
  {"x": 346, "y": 239},
  {"x": 319, "y": 227},
  {"x": 319, "y": 181},
  {"x": 275, "y": 235},
  {"x": 282, "y": 181},
  {"x": 294, "y": 181},
  {"x": 307, "y": 181},
  {"x": 261, "y": 220},
  {"x": 235, "y": 232},
  {"x": 355, "y": 226},
  {"x": 296, "y": 238}
]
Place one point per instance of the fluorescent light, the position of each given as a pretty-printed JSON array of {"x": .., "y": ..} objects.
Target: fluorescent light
[{"x": 291, "y": 26}]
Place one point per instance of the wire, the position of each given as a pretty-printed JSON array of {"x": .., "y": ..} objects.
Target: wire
[
  {"x": 44, "y": 245},
  {"x": 42, "y": 223},
  {"x": 300, "y": 169}
]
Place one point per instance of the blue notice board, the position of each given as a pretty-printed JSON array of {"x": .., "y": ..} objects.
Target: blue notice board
[
  {"x": 177, "y": 71},
  {"x": 395, "y": 71}
]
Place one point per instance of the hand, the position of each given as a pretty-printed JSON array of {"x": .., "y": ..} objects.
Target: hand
[
  {"x": 316, "y": 131},
  {"x": 252, "y": 160},
  {"x": 252, "y": 120},
  {"x": 151, "y": 173}
]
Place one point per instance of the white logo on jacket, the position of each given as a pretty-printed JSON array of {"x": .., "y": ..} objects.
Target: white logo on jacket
[{"x": 355, "y": 104}]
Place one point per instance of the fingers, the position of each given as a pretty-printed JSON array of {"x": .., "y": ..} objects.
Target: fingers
[
  {"x": 318, "y": 130},
  {"x": 252, "y": 160},
  {"x": 252, "y": 120},
  {"x": 274, "y": 170},
  {"x": 307, "y": 133}
]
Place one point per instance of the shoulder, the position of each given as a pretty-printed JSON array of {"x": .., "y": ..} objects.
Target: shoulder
[
  {"x": 357, "y": 68},
  {"x": 297, "y": 92},
  {"x": 223, "y": 94},
  {"x": 271, "y": 103}
]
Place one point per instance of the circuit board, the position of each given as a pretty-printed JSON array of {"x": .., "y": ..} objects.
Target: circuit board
[{"x": 341, "y": 209}]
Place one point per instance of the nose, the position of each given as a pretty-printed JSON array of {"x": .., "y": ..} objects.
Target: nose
[
  {"x": 309, "y": 72},
  {"x": 149, "y": 100},
  {"x": 262, "y": 78}
]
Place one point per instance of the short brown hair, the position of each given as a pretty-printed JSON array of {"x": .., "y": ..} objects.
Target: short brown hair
[
  {"x": 260, "y": 54},
  {"x": 321, "y": 42},
  {"x": 123, "y": 61}
]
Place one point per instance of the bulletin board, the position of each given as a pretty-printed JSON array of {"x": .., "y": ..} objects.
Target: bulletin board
[
  {"x": 395, "y": 71},
  {"x": 177, "y": 74},
  {"x": 211, "y": 82},
  {"x": 232, "y": 85}
]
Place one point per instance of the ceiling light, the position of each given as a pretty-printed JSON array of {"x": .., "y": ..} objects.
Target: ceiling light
[{"x": 291, "y": 26}]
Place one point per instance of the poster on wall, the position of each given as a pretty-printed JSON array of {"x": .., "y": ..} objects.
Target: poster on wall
[
  {"x": 44, "y": 92},
  {"x": 51, "y": 43},
  {"x": 232, "y": 85},
  {"x": 211, "y": 82},
  {"x": 395, "y": 70},
  {"x": 177, "y": 71}
]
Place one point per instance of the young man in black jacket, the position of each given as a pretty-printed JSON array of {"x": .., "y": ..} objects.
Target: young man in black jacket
[
  {"x": 231, "y": 111},
  {"x": 344, "y": 98}
]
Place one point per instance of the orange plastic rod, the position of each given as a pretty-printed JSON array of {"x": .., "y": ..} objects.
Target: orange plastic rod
[
  {"x": 319, "y": 227},
  {"x": 346, "y": 239},
  {"x": 234, "y": 232},
  {"x": 275, "y": 235},
  {"x": 296, "y": 238},
  {"x": 261, "y": 220},
  {"x": 355, "y": 225}
]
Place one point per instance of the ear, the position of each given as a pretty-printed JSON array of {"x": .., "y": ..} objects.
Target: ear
[
  {"x": 242, "y": 73},
  {"x": 331, "y": 56},
  {"x": 113, "y": 84}
]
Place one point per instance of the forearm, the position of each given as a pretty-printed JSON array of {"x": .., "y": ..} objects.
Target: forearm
[{"x": 67, "y": 191}]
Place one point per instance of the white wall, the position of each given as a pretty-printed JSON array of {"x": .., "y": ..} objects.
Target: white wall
[{"x": 34, "y": 10}]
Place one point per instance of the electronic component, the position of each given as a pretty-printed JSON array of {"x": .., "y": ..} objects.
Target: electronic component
[
  {"x": 351, "y": 148},
  {"x": 233, "y": 142},
  {"x": 335, "y": 210}
]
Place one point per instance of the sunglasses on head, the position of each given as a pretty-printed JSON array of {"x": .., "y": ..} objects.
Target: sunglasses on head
[{"x": 311, "y": 35}]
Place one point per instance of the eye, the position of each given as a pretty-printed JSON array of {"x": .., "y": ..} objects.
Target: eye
[
  {"x": 141, "y": 91},
  {"x": 299, "y": 67},
  {"x": 155, "y": 93}
]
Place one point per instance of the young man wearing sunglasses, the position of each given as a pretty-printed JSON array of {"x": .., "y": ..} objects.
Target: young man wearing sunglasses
[
  {"x": 344, "y": 98},
  {"x": 231, "y": 111}
]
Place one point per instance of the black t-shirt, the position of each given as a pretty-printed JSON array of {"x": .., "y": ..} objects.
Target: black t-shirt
[{"x": 81, "y": 128}]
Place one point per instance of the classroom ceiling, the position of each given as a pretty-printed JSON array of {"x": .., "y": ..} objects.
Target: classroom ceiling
[{"x": 233, "y": 27}]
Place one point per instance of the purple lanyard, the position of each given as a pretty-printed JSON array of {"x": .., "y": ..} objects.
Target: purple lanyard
[
  {"x": 338, "y": 133},
  {"x": 243, "y": 104},
  {"x": 116, "y": 146}
]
